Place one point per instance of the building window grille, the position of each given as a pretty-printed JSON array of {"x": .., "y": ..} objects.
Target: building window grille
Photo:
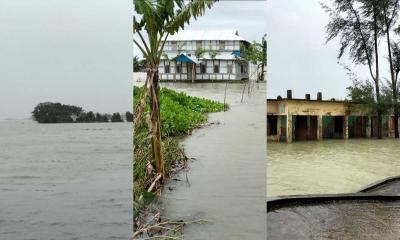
[
  {"x": 230, "y": 68},
  {"x": 178, "y": 69},
  {"x": 203, "y": 68},
  {"x": 198, "y": 44},
  {"x": 216, "y": 68},
  {"x": 174, "y": 46},
  {"x": 167, "y": 69},
  {"x": 221, "y": 45}
]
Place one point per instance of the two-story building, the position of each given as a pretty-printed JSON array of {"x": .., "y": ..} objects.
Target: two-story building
[{"x": 203, "y": 55}]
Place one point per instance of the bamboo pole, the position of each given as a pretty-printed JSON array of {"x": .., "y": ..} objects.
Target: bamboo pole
[{"x": 226, "y": 84}]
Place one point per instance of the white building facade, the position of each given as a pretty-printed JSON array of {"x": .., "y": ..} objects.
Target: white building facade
[{"x": 220, "y": 58}]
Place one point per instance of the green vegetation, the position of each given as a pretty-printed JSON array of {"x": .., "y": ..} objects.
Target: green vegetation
[
  {"x": 116, "y": 117},
  {"x": 179, "y": 115},
  {"x": 129, "y": 117},
  {"x": 256, "y": 53},
  {"x": 49, "y": 112},
  {"x": 360, "y": 25},
  {"x": 138, "y": 65},
  {"x": 155, "y": 20},
  {"x": 158, "y": 19}
]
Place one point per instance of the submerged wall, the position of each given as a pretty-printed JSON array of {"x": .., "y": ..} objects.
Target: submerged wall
[{"x": 302, "y": 119}]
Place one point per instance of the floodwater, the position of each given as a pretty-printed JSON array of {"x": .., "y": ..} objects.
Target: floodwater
[
  {"x": 65, "y": 181},
  {"x": 330, "y": 166},
  {"x": 345, "y": 220},
  {"x": 226, "y": 179}
]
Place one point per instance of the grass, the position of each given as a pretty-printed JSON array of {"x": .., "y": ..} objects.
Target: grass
[{"x": 180, "y": 114}]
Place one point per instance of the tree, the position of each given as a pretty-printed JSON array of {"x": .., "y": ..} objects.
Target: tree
[
  {"x": 264, "y": 57},
  {"x": 395, "y": 86},
  {"x": 389, "y": 14},
  {"x": 256, "y": 53},
  {"x": 90, "y": 117},
  {"x": 356, "y": 23},
  {"x": 116, "y": 117},
  {"x": 49, "y": 112},
  {"x": 213, "y": 53},
  {"x": 363, "y": 92},
  {"x": 159, "y": 19},
  {"x": 138, "y": 65},
  {"x": 129, "y": 116},
  {"x": 82, "y": 118},
  {"x": 199, "y": 53},
  {"x": 99, "y": 117}
]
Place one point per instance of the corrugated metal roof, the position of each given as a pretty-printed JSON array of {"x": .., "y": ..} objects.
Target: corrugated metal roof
[
  {"x": 185, "y": 58},
  {"x": 193, "y": 35},
  {"x": 220, "y": 55}
]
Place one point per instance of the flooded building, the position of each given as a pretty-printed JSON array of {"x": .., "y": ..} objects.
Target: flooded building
[
  {"x": 292, "y": 119},
  {"x": 203, "y": 55}
]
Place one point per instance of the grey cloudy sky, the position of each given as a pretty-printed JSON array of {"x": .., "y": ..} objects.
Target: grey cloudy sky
[
  {"x": 298, "y": 57},
  {"x": 246, "y": 16},
  {"x": 74, "y": 52}
]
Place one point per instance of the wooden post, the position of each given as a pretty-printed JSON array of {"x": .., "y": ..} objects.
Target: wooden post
[
  {"x": 226, "y": 85},
  {"x": 193, "y": 72}
]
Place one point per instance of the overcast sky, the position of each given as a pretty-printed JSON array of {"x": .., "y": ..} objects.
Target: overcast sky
[
  {"x": 74, "y": 52},
  {"x": 298, "y": 57},
  {"x": 246, "y": 16}
]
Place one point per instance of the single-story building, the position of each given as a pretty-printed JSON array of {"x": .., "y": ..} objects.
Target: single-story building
[{"x": 290, "y": 119}]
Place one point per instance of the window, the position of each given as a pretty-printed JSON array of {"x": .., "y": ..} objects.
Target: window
[
  {"x": 216, "y": 68},
  {"x": 174, "y": 46},
  {"x": 166, "y": 68},
  {"x": 221, "y": 45},
  {"x": 178, "y": 69},
  {"x": 203, "y": 68},
  {"x": 198, "y": 44},
  {"x": 230, "y": 68}
]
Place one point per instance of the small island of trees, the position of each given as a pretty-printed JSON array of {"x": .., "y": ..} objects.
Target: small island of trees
[{"x": 49, "y": 112}]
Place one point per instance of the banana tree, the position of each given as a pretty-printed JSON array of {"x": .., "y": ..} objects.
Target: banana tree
[{"x": 153, "y": 22}]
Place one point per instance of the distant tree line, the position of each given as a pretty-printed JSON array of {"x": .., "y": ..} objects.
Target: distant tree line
[{"x": 49, "y": 112}]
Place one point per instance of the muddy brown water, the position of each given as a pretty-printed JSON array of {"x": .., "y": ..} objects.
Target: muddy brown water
[
  {"x": 329, "y": 166},
  {"x": 227, "y": 175},
  {"x": 366, "y": 219},
  {"x": 65, "y": 181}
]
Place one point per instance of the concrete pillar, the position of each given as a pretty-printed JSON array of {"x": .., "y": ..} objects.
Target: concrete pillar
[
  {"x": 369, "y": 127},
  {"x": 289, "y": 130},
  {"x": 320, "y": 128},
  {"x": 279, "y": 128},
  {"x": 346, "y": 127}
]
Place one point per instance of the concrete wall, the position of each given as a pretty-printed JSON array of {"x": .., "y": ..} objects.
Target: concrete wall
[{"x": 319, "y": 117}]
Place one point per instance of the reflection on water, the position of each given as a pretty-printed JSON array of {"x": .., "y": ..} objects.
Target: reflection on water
[
  {"x": 65, "y": 181},
  {"x": 329, "y": 166},
  {"x": 227, "y": 177}
]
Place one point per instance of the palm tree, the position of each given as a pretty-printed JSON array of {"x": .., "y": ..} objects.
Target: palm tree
[{"x": 159, "y": 19}]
